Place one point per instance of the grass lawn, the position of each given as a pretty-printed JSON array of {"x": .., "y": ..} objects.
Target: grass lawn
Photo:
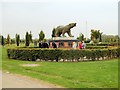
[{"x": 96, "y": 74}]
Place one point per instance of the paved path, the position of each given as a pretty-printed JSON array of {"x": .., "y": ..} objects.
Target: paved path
[{"x": 18, "y": 81}]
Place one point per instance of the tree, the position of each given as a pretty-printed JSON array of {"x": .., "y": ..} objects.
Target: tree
[
  {"x": 17, "y": 39},
  {"x": 8, "y": 39},
  {"x": 110, "y": 38},
  {"x": 100, "y": 36},
  {"x": 53, "y": 32},
  {"x": 27, "y": 39},
  {"x": 41, "y": 36},
  {"x": 96, "y": 34},
  {"x": 81, "y": 37},
  {"x": 2, "y": 41},
  {"x": 30, "y": 36}
]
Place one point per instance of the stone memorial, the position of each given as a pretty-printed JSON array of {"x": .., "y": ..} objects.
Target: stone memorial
[{"x": 59, "y": 38}]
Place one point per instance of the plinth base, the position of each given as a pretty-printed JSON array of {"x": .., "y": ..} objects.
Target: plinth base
[{"x": 63, "y": 42}]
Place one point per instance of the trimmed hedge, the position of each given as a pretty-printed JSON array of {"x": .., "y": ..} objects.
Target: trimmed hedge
[
  {"x": 32, "y": 54},
  {"x": 104, "y": 44},
  {"x": 95, "y": 44},
  {"x": 96, "y": 47}
]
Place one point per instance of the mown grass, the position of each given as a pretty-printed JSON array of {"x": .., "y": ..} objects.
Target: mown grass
[{"x": 97, "y": 74}]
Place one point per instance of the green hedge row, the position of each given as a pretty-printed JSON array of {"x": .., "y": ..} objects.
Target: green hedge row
[
  {"x": 96, "y": 47},
  {"x": 104, "y": 44},
  {"x": 88, "y": 44},
  {"x": 62, "y": 54},
  {"x": 87, "y": 47}
]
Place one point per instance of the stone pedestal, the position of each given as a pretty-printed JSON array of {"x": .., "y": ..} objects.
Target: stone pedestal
[{"x": 63, "y": 42}]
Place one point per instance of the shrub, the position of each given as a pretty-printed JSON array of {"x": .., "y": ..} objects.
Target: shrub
[
  {"x": 103, "y": 44},
  {"x": 96, "y": 47},
  {"x": 32, "y": 54}
]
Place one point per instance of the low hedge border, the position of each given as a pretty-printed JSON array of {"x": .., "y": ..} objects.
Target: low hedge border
[
  {"x": 32, "y": 54},
  {"x": 104, "y": 44},
  {"x": 96, "y": 47}
]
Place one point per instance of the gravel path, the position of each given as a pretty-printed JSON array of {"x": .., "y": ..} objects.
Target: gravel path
[{"x": 19, "y": 81}]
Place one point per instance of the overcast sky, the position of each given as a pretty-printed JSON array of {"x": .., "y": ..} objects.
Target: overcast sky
[{"x": 19, "y": 16}]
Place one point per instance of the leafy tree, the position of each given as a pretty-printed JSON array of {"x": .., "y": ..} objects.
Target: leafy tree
[
  {"x": 2, "y": 41},
  {"x": 81, "y": 37},
  {"x": 110, "y": 38},
  {"x": 27, "y": 39},
  {"x": 41, "y": 36},
  {"x": 8, "y": 39},
  {"x": 53, "y": 32},
  {"x": 96, "y": 34},
  {"x": 17, "y": 39}
]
